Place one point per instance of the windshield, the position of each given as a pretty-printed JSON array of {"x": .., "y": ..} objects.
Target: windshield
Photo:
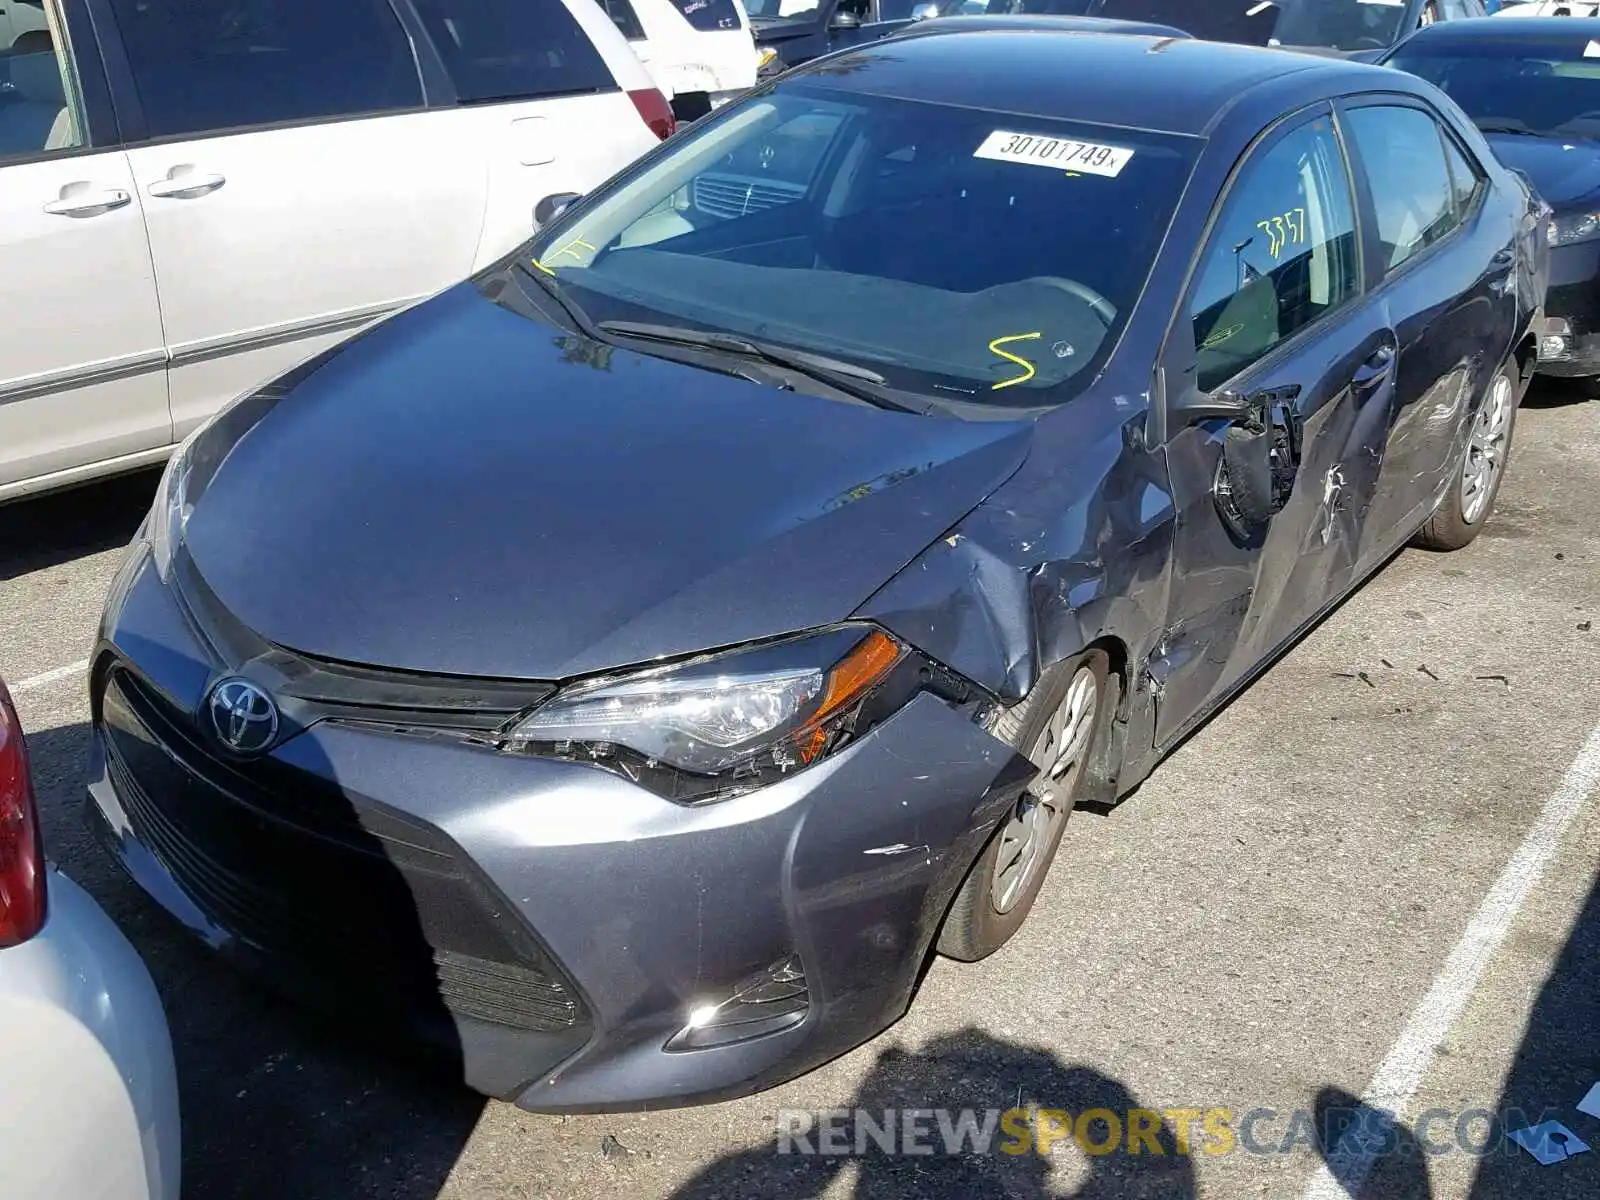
[
  {"x": 1335, "y": 24},
  {"x": 1550, "y": 94},
  {"x": 980, "y": 257}
]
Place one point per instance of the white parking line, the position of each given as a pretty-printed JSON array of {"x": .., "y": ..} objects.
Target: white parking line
[
  {"x": 1411, "y": 1057},
  {"x": 49, "y": 677}
]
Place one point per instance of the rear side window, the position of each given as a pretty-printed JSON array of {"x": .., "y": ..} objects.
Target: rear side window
[
  {"x": 513, "y": 49},
  {"x": 708, "y": 16},
  {"x": 1465, "y": 181},
  {"x": 624, "y": 18},
  {"x": 203, "y": 65},
  {"x": 1403, "y": 154},
  {"x": 1282, "y": 254}
]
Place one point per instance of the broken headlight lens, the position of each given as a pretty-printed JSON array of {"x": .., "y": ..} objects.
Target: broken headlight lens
[{"x": 727, "y": 723}]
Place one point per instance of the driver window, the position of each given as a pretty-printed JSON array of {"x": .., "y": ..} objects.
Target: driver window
[{"x": 1281, "y": 256}]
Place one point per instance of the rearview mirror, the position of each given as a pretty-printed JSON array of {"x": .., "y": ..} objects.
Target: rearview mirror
[
  {"x": 924, "y": 11},
  {"x": 845, "y": 21},
  {"x": 551, "y": 207}
]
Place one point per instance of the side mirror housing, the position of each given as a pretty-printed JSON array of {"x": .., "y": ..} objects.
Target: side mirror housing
[
  {"x": 1220, "y": 406},
  {"x": 551, "y": 207},
  {"x": 844, "y": 21}
]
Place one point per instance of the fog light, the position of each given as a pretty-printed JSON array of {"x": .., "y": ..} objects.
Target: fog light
[{"x": 765, "y": 1002}]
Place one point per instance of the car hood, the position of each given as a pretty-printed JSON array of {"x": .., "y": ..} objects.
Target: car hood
[
  {"x": 466, "y": 491},
  {"x": 1563, "y": 172}
]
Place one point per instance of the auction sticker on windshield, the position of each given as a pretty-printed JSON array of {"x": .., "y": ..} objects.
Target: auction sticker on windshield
[{"x": 1062, "y": 154}]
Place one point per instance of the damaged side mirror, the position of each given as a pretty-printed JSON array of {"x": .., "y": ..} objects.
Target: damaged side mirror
[{"x": 1260, "y": 454}]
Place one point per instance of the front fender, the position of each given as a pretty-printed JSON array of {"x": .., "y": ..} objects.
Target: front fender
[{"x": 1073, "y": 550}]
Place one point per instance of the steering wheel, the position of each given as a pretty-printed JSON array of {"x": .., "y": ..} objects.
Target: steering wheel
[{"x": 1102, "y": 307}]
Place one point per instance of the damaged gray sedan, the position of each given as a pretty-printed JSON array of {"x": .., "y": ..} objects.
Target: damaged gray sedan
[{"x": 624, "y": 669}]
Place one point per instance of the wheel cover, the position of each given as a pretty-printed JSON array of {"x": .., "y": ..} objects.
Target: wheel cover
[
  {"x": 1486, "y": 451},
  {"x": 1030, "y": 829}
]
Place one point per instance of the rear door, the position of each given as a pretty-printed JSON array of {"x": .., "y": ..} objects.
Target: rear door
[
  {"x": 1275, "y": 306},
  {"x": 82, "y": 364},
  {"x": 294, "y": 184},
  {"x": 1441, "y": 251}
]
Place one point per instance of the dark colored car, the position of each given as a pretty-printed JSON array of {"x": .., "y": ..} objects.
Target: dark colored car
[
  {"x": 1532, "y": 86},
  {"x": 788, "y": 33},
  {"x": 1358, "y": 28},
  {"x": 629, "y": 665}
]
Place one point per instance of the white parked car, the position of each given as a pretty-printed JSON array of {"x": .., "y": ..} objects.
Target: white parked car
[
  {"x": 88, "y": 1094},
  {"x": 196, "y": 196},
  {"x": 22, "y": 25},
  {"x": 701, "y": 53}
]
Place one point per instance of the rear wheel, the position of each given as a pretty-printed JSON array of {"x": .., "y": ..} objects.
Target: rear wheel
[
  {"x": 1056, "y": 728},
  {"x": 1470, "y": 500}
]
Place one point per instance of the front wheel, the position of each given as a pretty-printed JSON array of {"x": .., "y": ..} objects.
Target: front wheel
[
  {"x": 1056, "y": 727},
  {"x": 1470, "y": 500}
]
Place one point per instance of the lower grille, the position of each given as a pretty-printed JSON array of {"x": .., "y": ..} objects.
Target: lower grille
[
  {"x": 373, "y": 911},
  {"x": 1579, "y": 303}
]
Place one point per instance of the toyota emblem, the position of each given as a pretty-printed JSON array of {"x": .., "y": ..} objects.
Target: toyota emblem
[{"x": 243, "y": 716}]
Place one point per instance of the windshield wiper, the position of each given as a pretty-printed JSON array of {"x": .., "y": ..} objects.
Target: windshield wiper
[
  {"x": 580, "y": 319},
  {"x": 1520, "y": 130},
  {"x": 854, "y": 380}
]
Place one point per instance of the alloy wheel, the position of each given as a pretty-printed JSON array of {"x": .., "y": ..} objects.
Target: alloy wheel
[
  {"x": 1486, "y": 450},
  {"x": 1030, "y": 829}
]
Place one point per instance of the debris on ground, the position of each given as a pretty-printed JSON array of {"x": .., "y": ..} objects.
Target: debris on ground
[
  {"x": 611, "y": 1149},
  {"x": 1585, "y": 626},
  {"x": 1423, "y": 667},
  {"x": 1494, "y": 679}
]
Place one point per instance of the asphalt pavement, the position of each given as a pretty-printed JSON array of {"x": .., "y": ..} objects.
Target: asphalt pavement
[{"x": 1375, "y": 875}]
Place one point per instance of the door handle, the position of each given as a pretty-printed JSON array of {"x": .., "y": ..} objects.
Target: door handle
[
  {"x": 185, "y": 183},
  {"x": 87, "y": 203},
  {"x": 1375, "y": 370},
  {"x": 1503, "y": 257}
]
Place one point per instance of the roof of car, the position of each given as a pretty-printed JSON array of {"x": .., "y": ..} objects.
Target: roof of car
[
  {"x": 1511, "y": 36},
  {"x": 1165, "y": 84}
]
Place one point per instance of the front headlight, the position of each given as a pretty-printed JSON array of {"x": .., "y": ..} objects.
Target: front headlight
[
  {"x": 1567, "y": 228},
  {"x": 169, "y": 514},
  {"x": 730, "y": 722}
]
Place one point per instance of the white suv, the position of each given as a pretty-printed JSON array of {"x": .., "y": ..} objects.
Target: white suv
[{"x": 196, "y": 196}]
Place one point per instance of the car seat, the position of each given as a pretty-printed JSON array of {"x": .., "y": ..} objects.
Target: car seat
[{"x": 34, "y": 115}]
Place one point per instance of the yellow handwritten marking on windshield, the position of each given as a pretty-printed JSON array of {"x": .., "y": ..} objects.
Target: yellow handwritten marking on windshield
[
  {"x": 569, "y": 248},
  {"x": 994, "y": 348},
  {"x": 1287, "y": 228}
]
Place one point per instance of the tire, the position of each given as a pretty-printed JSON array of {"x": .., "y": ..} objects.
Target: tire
[
  {"x": 1467, "y": 505},
  {"x": 999, "y": 889}
]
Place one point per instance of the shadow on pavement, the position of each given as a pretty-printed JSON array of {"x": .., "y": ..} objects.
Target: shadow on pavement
[
  {"x": 50, "y": 530},
  {"x": 1401, "y": 1169},
  {"x": 1548, "y": 392},
  {"x": 276, "y": 1100},
  {"x": 1556, "y": 1063},
  {"x": 968, "y": 1070}
]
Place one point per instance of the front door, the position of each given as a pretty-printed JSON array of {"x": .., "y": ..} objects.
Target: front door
[
  {"x": 82, "y": 365},
  {"x": 1276, "y": 311}
]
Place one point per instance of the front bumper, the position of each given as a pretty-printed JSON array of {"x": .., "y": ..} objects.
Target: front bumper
[
  {"x": 1569, "y": 337},
  {"x": 549, "y": 923}
]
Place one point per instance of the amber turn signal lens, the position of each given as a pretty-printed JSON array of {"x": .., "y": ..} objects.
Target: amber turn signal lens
[{"x": 858, "y": 671}]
